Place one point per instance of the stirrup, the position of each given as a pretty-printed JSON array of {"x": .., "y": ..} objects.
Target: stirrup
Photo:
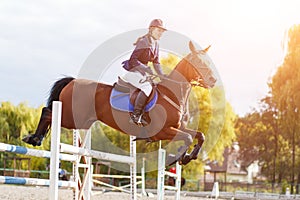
[{"x": 138, "y": 120}]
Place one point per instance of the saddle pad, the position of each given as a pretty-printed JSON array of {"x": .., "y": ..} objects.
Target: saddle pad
[{"x": 121, "y": 101}]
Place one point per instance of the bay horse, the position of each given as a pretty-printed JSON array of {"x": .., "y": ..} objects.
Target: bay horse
[{"x": 86, "y": 101}]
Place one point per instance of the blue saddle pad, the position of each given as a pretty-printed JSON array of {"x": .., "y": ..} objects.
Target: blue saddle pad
[{"x": 121, "y": 101}]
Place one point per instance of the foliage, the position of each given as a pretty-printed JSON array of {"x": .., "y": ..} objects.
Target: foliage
[
  {"x": 285, "y": 92},
  {"x": 271, "y": 133},
  {"x": 15, "y": 123}
]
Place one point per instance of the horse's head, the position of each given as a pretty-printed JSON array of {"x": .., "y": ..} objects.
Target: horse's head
[{"x": 198, "y": 70}]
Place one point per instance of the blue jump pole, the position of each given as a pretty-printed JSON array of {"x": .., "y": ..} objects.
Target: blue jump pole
[
  {"x": 34, "y": 181},
  {"x": 33, "y": 152}
]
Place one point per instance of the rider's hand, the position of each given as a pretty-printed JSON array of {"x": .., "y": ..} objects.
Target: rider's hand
[{"x": 148, "y": 70}]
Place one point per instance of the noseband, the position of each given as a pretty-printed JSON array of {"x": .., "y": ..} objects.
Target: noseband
[{"x": 194, "y": 60}]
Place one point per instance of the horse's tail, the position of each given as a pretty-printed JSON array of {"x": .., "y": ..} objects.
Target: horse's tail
[
  {"x": 56, "y": 89},
  {"x": 46, "y": 116}
]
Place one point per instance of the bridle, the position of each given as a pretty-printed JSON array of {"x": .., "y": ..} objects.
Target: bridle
[
  {"x": 194, "y": 61},
  {"x": 185, "y": 87}
]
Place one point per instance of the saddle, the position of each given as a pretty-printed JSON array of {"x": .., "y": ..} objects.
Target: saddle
[{"x": 123, "y": 96}]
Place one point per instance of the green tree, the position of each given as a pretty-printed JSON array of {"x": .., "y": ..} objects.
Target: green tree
[
  {"x": 260, "y": 139},
  {"x": 285, "y": 92},
  {"x": 15, "y": 123}
]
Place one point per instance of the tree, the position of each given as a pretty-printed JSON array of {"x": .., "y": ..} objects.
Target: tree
[
  {"x": 15, "y": 123},
  {"x": 285, "y": 92},
  {"x": 260, "y": 139}
]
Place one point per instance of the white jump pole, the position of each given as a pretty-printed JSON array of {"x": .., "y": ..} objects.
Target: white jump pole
[
  {"x": 133, "y": 168},
  {"x": 161, "y": 173},
  {"x": 88, "y": 169},
  {"x": 143, "y": 169},
  {"x": 178, "y": 180},
  {"x": 75, "y": 165},
  {"x": 161, "y": 177},
  {"x": 55, "y": 140},
  {"x": 83, "y": 191}
]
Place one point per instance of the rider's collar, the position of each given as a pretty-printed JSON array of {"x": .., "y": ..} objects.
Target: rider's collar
[{"x": 152, "y": 39}]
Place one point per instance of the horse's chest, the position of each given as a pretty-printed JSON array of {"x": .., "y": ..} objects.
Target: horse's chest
[{"x": 175, "y": 119}]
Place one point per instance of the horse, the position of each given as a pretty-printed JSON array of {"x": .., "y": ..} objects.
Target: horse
[{"x": 86, "y": 101}]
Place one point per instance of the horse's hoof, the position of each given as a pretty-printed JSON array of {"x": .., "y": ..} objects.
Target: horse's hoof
[
  {"x": 28, "y": 140},
  {"x": 186, "y": 159},
  {"x": 33, "y": 140},
  {"x": 37, "y": 141}
]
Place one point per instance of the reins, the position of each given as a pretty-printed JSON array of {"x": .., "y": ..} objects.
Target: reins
[
  {"x": 195, "y": 82},
  {"x": 181, "y": 107}
]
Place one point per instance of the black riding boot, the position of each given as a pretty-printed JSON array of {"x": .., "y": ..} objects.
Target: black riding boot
[{"x": 137, "y": 115}]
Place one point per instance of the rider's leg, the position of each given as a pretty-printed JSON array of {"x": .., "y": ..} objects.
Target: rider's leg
[
  {"x": 139, "y": 81},
  {"x": 139, "y": 105}
]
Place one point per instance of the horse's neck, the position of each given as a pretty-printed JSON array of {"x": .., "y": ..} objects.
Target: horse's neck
[
  {"x": 180, "y": 72},
  {"x": 178, "y": 83}
]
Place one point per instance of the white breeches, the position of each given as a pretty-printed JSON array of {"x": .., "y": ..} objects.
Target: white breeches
[{"x": 134, "y": 79}]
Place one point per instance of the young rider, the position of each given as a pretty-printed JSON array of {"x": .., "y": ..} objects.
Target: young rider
[{"x": 146, "y": 50}]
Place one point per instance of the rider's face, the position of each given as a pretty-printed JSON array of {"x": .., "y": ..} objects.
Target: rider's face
[{"x": 157, "y": 32}]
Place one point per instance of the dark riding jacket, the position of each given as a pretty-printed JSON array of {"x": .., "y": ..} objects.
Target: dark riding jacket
[{"x": 146, "y": 50}]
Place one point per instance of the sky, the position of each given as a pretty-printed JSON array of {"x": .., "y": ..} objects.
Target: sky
[{"x": 41, "y": 41}]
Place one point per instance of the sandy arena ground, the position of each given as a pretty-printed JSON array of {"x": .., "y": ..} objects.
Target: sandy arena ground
[{"x": 11, "y": 192}]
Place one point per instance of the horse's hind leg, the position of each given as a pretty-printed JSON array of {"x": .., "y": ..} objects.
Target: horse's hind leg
[
  {"x": 42, "y": 129},
  {"x": 200, "y": 137},
  {"x": 176, "y": 136},
  {"x": 196, "y": 150}
]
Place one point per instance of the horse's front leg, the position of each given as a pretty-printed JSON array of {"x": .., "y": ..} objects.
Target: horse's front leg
[
  {"x": 178, "y": 135},
  {"x": 196, "y": 150}
]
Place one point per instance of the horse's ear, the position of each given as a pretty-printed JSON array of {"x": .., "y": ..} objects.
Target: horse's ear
[
  {"x": 192, "y": 47},
  {"x": 206, "y": 49}
]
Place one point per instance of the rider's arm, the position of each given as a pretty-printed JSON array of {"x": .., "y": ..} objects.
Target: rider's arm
[
  {"x": 158, "y": 69},
  {"x": 139, "y": 57},
  {"x": 156, "y": 64}
]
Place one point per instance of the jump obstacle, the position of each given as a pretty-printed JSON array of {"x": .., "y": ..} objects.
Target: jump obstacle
[
  {"x": 161, "y": 187},
  {"x": 36, "y": 153},
  {"x": 121, "y": 188},
  {"x": 81, "y": 151}
]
